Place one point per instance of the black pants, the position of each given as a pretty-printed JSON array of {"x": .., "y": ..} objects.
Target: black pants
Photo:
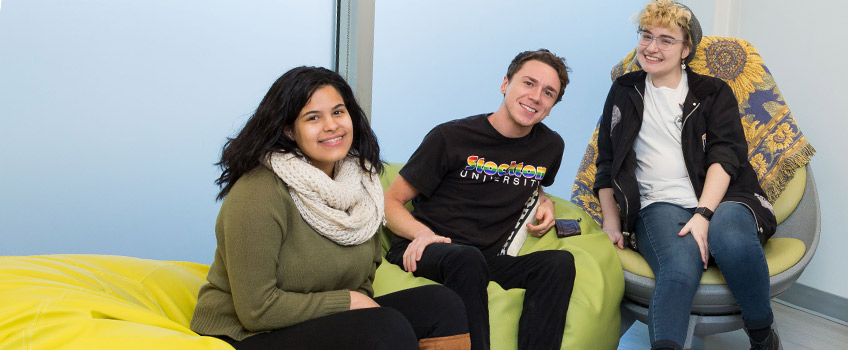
[
  {"x": 547, "y": 277},
  {"x": 405, "y": 316}
]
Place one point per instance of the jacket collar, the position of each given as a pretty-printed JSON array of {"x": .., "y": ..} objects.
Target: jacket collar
[{"x": 699, "y": 86}]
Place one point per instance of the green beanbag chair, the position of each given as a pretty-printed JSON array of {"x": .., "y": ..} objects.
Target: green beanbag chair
[{"x": 593, "y": 320}]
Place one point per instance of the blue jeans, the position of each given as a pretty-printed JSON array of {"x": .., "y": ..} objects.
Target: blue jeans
[{"x": 676, "y": 262}]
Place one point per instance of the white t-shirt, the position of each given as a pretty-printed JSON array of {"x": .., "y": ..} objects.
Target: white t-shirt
[{"x": 660, "y": 169}]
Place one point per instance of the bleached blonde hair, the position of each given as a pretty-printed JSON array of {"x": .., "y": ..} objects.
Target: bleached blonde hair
[{"x": 666, "y": 14}]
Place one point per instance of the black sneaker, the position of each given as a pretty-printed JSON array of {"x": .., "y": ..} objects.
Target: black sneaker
[{"x": 772, "y": 342}]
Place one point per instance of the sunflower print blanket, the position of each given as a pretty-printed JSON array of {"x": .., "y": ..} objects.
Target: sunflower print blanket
[{"x": 776, "y": 146}]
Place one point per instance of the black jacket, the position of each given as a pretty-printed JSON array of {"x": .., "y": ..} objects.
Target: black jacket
[{"x": 712, "y": 133}]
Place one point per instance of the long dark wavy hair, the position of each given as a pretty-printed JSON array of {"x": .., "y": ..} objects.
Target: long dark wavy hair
[{"x": 264, "y": 132}]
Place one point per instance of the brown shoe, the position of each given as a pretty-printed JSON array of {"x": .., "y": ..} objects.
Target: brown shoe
[{"x": 454, "y": 342}]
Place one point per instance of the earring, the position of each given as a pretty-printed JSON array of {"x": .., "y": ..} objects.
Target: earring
[{"x": 682, "y": 65}]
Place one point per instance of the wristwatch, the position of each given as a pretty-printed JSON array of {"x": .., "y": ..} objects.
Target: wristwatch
[{"x": 705, "y": 212}]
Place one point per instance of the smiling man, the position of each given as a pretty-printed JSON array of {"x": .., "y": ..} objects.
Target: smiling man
[{"x": 469, "y": 181}]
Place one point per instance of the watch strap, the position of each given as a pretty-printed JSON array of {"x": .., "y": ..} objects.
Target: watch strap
[{"x": 705, "y": 212}]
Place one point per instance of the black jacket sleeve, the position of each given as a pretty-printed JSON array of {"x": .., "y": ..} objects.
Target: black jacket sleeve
[
  {"x": 725, "y": 142},
  {"x": 605, "y": 151}
]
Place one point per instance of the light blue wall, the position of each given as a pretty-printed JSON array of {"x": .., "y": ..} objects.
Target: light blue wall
[
  {"x": 804, "y": 49},
  {"x": 112, "y": 113},
  {"x": 440, "y": 60}
]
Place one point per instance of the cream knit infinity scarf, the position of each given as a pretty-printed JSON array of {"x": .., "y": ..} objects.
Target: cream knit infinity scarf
[{"x": 347, "y": 210}]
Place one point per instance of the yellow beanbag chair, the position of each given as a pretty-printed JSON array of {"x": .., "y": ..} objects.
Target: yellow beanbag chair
[{"x": 99, "y": 302}]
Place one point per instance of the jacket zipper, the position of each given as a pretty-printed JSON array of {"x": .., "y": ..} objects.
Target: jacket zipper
[
  {"x": 757, "y": 222},
  {"x": 687, "y": 117},
  {"x": 626, "y": 202},
  {"x": 682, "y": 125}
]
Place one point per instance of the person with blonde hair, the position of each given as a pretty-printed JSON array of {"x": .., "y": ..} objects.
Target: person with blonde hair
[{"x": 675, "y": 183}]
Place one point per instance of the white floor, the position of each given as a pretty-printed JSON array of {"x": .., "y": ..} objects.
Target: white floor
[{"x": 798, "y": 330}]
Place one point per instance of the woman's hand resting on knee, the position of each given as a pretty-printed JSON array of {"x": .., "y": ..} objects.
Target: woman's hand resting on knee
[
  {"x": 698, "y": 226},
  {"x": 361, "y": 301},
  {"x": 715, "y": 186}
]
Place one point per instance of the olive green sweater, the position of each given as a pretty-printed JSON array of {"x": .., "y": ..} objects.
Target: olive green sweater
[{"x": 271, "y": 269}]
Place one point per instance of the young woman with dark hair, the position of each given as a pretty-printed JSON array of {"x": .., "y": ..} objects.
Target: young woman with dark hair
[
  {"x": 297, "y": 244},
  {"x": 264, "y": 132}
]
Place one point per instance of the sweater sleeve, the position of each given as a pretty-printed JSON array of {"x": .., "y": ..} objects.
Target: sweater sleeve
[
  {"x": 254, "y": 220},
  {"x": 367, "y": 286}
]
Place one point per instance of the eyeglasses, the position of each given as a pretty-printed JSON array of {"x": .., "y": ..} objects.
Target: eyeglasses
[{"x": 663, "y": 42}]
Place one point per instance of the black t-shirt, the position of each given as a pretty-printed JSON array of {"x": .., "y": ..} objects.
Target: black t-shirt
[{"x": 473, "y": 181}]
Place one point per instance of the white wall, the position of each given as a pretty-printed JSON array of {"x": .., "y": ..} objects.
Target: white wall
[
  {"x": 803, "y": 44},
  {"x": 112, "y": 113}
]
